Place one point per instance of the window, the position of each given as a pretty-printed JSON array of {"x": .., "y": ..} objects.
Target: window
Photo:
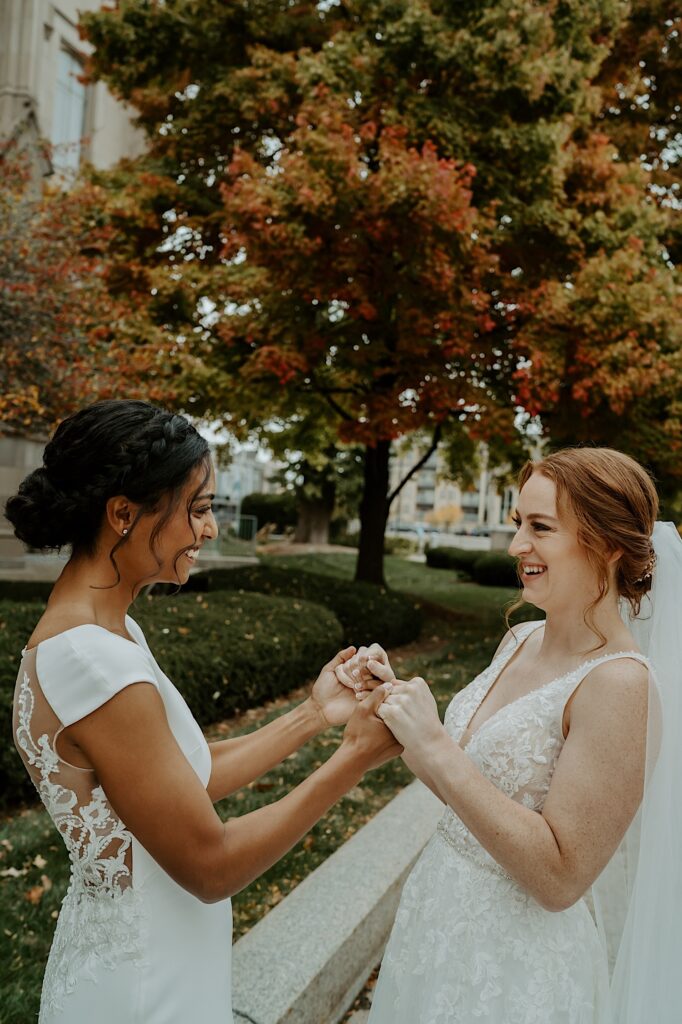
[{"x": 69, "y": 113}]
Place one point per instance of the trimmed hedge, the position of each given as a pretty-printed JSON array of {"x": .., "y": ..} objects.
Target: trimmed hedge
[
  {"x": 278, "y": 509},
  {"x": 496, "y": 569},
  {"x": 25, "y": 590},
  {"x": 366, "y": 612},
  {"x": 460, "y": 559},
  {"x": 224, "y": 652},
  {"x": 489, "y": 568}
]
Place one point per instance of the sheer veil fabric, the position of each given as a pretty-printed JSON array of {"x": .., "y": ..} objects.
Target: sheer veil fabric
[{"x": 638, "y": 897}]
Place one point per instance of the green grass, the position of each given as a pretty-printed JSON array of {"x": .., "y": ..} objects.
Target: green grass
[
  {"x": 33, "y": 864},
  {"x": 437, "y": 585}
]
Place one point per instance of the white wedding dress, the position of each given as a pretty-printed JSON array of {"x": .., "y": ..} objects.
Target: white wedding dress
[
  {"x": 468, "y": 943},
  {"x": 131, "y": 946}
]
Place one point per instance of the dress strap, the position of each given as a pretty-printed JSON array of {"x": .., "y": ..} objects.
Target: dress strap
[
  {"x": 587, "y": 666},
  {"x": 520, "y": 634},
  {"x": 573, "y": 680}
]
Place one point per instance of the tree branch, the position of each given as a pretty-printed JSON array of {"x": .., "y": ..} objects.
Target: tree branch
[
  {"x": 331, "y": 401},
  {"x": 418, "y": 465}
]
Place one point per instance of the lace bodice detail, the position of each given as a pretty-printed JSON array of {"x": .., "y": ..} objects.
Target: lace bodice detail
[
  {"x": 96, "y": 839},
  {"x": 469, "y": 943},
  {"x": 517, "y": 747},
  {"x": 101, "y": 919}
]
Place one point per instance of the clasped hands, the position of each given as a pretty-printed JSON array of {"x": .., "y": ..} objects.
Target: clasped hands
[{"x": 408, "y": 709}]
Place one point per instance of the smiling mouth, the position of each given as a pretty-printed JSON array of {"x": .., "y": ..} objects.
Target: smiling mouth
[
  {"x": 192, "y": 554},
  {"x": 531, "y": 571}
]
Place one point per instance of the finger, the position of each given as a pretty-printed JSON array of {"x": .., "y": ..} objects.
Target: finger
[
  {"x": 381, "y": 671},
  {"x": 376, "y": 651},
  {"x": 341, "y": 657},
  {"x": 382, "y": 711},
  {"x": 368, "y": 682},
  {"x": 372, "y": 701},
  {"x": 343, "y": 677}
]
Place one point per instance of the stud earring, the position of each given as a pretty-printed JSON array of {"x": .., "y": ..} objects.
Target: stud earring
[{"x": 125, "y": 531}]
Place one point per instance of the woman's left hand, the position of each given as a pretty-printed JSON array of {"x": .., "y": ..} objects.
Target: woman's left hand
[
  {"x": 411, "y": 713},
  {"x": 333, "y": 701}
]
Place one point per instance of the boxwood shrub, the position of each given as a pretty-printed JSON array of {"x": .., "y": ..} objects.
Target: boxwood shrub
[
  {"x": 489, "y": 568},
  {"x": 460, "y": 559},
  {"x": 25, "y": 590},
  {"x": 496, "y": 569},
  {"x": 224, "y": 651},
  {"x": 366, "y": 612}
]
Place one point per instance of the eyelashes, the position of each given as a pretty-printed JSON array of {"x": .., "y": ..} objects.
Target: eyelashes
[{"x": 538, "y": 527}]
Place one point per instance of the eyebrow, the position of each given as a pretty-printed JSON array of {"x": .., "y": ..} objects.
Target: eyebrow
[
  {"x": 202, "y": 497},
  {"x": 538, "y": 515}
]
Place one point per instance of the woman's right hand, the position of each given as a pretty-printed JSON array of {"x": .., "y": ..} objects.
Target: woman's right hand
[{"x": 366, "y": 736}]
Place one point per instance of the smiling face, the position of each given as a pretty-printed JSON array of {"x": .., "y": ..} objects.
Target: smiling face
[
  {"x": 174, "y": 542},
  {"x": 191, "y": 525},
  {"x": 554, "y": 567}
]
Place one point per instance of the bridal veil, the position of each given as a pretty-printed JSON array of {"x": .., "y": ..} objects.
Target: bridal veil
[{"x": 638, "y": 897}]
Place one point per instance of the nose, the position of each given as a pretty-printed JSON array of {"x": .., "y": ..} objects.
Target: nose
[
  {"x": 211, "y": 529},
  {"x": 520, "y": 544}
]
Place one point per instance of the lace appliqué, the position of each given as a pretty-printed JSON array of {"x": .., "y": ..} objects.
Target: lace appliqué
[
  {"x": 471, "y": 941},
  {"x": 101, "y": 919},
  {"x": 468, "y": 942}
]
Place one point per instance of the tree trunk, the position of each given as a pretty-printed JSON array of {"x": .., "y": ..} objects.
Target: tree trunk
[
  {"x": 373, "y": 514},
  {"x": 315, "y": 515}
]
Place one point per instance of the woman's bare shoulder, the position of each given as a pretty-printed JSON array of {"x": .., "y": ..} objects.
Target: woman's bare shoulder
[{"x": 58, "y": 619}]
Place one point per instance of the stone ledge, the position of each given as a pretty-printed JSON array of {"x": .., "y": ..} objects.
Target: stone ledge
[{"x": 307, "y": 960}]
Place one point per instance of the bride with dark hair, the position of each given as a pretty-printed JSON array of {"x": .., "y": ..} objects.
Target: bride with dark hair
[
  {"x": 551, "y": 890},
  {"x": 144, "y": 933}
]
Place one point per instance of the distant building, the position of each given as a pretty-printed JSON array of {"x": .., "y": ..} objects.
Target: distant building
[
  {"x": 430, "y": 501},
  {"x": 247, "y": 473},
  {"x": 41, "y": 57}
]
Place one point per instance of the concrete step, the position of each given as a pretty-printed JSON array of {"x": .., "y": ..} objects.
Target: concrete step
[{"x": 307, "y": 960}]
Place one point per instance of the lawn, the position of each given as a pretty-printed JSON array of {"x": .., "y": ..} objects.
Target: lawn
[
  {"x": 437, "y": 585},
  {"x": 33, "y": 864}
]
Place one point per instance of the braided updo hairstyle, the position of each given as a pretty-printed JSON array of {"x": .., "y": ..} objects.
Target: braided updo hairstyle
[
  {"x": 118, "y": 447},
  {"x": 615, "y": 503}
]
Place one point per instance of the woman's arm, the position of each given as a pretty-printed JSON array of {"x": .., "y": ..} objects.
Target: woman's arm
[
  {"x": 595, "y": 790},
  {"x": 158, "y": 795},
  {"x": 238, "y": 761}
]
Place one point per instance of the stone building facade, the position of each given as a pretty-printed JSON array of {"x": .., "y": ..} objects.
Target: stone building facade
[{"x": 41, "y": 98}]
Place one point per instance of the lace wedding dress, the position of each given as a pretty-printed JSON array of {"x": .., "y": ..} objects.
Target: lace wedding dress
[
  {"x": 468, "y": 943},
  {"x": 131, "y": 946}
]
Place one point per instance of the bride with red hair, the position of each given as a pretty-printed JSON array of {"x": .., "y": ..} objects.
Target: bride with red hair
[{"x": 550, "y": 891}]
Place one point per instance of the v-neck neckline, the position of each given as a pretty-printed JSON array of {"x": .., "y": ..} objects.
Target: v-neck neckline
[
  {"x": 491, "y": 684},
  {"x": 537, "y": 689}
]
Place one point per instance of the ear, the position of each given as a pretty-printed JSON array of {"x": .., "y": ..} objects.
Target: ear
[
  {"x": 120, "y": 514},
  {"x": 615, "y": 556}
]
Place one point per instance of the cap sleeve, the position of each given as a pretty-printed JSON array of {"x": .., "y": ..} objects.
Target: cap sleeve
[{"x": 81, "y": 669}]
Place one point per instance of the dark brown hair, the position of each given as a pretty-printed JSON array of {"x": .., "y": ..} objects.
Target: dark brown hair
[{"x": 123, "y": 446}]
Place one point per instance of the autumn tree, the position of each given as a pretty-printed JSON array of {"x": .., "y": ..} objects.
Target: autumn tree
[
  {"x": 49, "y": 286},
  {"x": 64, "y": 337},
  {"x": 405, "y": 210}
]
